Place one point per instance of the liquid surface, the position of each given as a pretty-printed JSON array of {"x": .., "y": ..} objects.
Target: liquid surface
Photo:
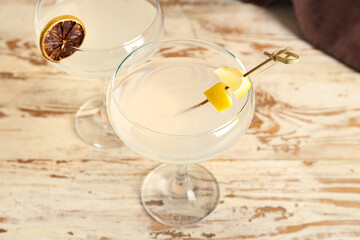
[
  {"x": 154, "y": 94},
  {"x": 108, "y": 23}
]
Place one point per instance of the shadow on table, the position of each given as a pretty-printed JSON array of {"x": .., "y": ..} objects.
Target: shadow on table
[{"x": 283, "y": 11}]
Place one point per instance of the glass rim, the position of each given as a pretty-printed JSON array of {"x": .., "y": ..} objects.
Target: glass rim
[
  {"x": 189, "y": 40},
  {"x": 128, "y": 43}
]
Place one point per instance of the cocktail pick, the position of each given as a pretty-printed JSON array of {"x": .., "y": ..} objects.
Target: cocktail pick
[{"x": 287, "y": 58}]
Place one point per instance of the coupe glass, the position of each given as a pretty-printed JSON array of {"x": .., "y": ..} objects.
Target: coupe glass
[
  {"x": 114, "y": 28},
  {"x": 146, "y": 100}
]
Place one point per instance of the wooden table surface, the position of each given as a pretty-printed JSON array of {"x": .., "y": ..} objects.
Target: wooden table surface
[{"x": 294, "y": 175}]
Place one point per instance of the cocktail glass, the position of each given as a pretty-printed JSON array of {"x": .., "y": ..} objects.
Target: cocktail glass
[
  {"x": 114, "y": 28},
  {"x": 146, "y": 98}
]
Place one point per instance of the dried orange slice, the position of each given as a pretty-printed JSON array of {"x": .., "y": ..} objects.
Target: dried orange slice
[{"x": 61, "y": 36}]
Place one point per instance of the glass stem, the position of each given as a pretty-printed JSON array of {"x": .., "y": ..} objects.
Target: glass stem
[
  {"x": 104, "y": 82},
  {"x": 181, "y": 174},
  {"x": 181, "y": 185}
]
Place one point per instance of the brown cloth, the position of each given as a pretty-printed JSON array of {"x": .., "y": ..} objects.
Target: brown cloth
[{"x": 330, "y": 25}]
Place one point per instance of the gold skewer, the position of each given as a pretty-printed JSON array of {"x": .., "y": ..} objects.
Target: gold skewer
[{"x": 289, "y": 58}]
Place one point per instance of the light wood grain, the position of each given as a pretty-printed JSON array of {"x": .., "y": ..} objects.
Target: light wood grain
[{"x": 295, "y": 175}]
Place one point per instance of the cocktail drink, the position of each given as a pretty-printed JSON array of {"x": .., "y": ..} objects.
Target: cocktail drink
[
  {"x": 146, "y": 98},
  {"x": 111, "y": 30}
]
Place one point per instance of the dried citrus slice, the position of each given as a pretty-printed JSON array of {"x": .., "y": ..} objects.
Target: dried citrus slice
[
  {"x": 235, "y": 80},
  {"x": 219, "y": 97},
  {"x": 60, "y": 36}
]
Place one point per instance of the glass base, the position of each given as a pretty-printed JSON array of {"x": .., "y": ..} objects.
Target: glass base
[
  {"x": 176, "y": 203},
  {"x": 93, "y": 126}
]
